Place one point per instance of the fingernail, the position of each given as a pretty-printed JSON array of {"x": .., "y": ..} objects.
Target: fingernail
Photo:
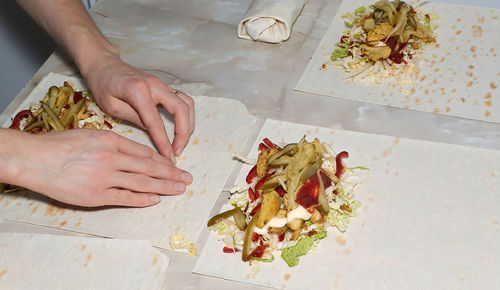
[
  {"x": 172, "y": 158},
  {"x": 179, "y": 186},
  {"x": 186, "y": 177},
  {"x": 178, "y": 152},
  {"x": 155, "y": 198}
]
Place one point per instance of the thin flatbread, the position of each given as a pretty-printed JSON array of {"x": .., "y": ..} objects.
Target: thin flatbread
[
  {"x": 67, "y": 262},
  {"x": 429, "y": 219},
  {"x": 222, "y": 127},
  {"x": 459, "y": 75}
]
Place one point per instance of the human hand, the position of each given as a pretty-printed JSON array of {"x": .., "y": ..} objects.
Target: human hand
[
  {"x": 94, "y": 168},
  {"x": 128, "y": 93}
]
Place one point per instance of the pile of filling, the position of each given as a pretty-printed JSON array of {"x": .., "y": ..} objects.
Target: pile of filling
[
  {"x": 384, "y": 41},
  {"x": 293, "y": 193},
  {"x": 62, "y": 108}
]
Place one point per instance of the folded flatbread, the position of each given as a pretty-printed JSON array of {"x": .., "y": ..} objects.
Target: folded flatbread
[
  {"x": 67, "y": 262},
  {"x": 458, "y": 76},
  {"x": 269, "y": 20},
  {"x": 429, "y": 218}
]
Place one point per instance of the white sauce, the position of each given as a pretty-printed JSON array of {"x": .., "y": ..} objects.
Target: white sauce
[{"x": 276, "y": 222}]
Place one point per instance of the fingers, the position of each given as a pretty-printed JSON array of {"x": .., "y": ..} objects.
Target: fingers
[
  {"x": 140, "y": 98},
  {"x": 120, "y": 109},
  {"x": 182, "y": 108},
  {"x": 150, "y": 168},
  {"x": 142, "y": 183},
  {"x": 125, "y": 197},
  {"x": 129, "y": 147},
  {"x": 190, "y": 103}
]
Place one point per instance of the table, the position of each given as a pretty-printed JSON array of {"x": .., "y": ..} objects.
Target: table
[{"x": 193, "y": 44}]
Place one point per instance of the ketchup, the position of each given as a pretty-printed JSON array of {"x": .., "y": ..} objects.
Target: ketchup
[
  {"x": 327, "y": 181},
  {"x": 77, "y": 97},
  {"x": 252, "y": 174},
  {"x": 339, "y": 164},
  {"x": 230, "y": 250},
  {"x": 19, "y": 116},
  {"x": 261, "y": 182},
  {"x": 307, "y": 195},
  {"x": 263, "y": 147},
  {"x": 259, "y": 251},
  {"x": 255, "y": 209},
  {"x": 280, "y": 190},
  {"x": 269, "y": 143},
  {"x": 397, "y": 55}
]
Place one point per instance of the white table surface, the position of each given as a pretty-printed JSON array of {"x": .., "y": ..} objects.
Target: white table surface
[{"x": 193, "y": 43}]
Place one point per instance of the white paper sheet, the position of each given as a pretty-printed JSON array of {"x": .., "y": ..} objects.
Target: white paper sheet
[
  {"x": 459, "y": 76},
  {"x": 429, "y": 220},
  {"x": 222, "y": 127},
  {"x": 65, "y": 262}
]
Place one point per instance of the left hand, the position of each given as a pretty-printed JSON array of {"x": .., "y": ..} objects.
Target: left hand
[{"x": 131, "y": 94}]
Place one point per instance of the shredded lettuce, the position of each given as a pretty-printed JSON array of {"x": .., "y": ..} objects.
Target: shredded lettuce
[
  {"x": 221, "y": 228},
  {"x": 239, "y": 199},
  {"x": 360, "y": 11},
  {"x": 339, "y": 53},
  {"x": 348, "y": 24},
  {"x": 261, "y": 260},
  {"x": 291, "y": 254}
]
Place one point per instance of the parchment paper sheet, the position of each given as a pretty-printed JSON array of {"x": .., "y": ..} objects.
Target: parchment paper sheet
[
  {"x": 459, "y": 75},
  {"x": 429, "y": 220},
  {"x": 30, "y": 261}
]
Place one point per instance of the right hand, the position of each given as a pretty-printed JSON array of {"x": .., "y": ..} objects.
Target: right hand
[{"x": 95, "y": 168}]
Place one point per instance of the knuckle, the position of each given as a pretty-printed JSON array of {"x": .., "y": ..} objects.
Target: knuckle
[
  {"x": 149, "y": 166},
  {"x": 143, "y": 182},
  {"x": 138, "y": 84},
  {"x": 189, "y": 101},
  {"x": 112, "y": 109},
  {"x": 183, "y": 108},
  {"x": 154, "y": 80}
]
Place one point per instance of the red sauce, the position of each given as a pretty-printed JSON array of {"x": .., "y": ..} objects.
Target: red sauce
[
  {"x": 261, "y": 182},
  {"x": 269, "y": 143},
  {"x": 255, "y": 237},
  {"x": 230, "y": 250},
  {"x": 263, "y": 147},
  {"x": 251, "y": 195},
  {"x": 307, "y": 195},
  {"x": 327, "y": 181},
  {"x": 252, "y": 174},
  {"x": 108, "y": 125},
  {"x": 281, "y": 237},
  {"x": 397, "y": 55},
  {"x": 255, "y": 209},
  {"x": 19, "y": 116},
  {"x": 280, "y": 190},
  {"x": 259, "y": 251},
  {"x": 77, "y": 97},
  {"x": 339, "y": 164}
]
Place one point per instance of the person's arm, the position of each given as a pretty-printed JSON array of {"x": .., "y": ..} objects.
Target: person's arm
[
  {"x": 88, "y": 168},
  {"x": 120, "y": 89}
]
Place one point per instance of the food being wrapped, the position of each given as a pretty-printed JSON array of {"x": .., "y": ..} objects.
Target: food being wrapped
[{"x": 293, "y": 194}]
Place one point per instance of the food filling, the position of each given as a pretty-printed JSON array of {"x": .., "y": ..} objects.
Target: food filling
[{"x": 293, "y": 194}]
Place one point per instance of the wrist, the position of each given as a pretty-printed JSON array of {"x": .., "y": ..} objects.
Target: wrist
[
  {"x": 94, "y": 55},
  {"x": 13, "y": 145}
]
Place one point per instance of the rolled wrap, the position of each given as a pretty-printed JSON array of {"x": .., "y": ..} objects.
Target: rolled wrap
[{"x": 269, "y": 20}]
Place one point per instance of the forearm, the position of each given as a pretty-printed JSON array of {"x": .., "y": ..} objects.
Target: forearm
[{"x": 68, "y": 22}]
